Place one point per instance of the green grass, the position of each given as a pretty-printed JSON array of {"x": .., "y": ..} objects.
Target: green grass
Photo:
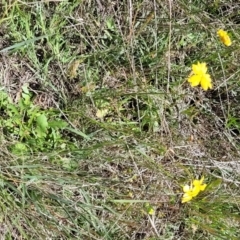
[{"x": 99, "y": 124}]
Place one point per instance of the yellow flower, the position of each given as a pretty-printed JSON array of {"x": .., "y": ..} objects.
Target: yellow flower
[
  {"x": 193, "y": 190},
  {"x": 224, "y": 37},
  {"x": 149, "y": 209},
  {"x": 199, "y": 76}
]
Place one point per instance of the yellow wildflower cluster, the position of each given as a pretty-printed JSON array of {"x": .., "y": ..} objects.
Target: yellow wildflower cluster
[
  {"x": 225, "y": 39},
  {"x": 193, "y": 190},
  {"x": 199, "y": 76}
]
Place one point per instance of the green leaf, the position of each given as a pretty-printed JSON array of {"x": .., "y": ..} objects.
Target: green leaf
[
  {"x": 25, "y": 89},
  {"x": 26, "y": 95},
  {"x": 78, "y": 133},
  {"x": 57, "y": 124},
  {"x": 19, "y": 148},
  {"x": 42, "y": 123},
  {"x": 23, "y": 43},
  {"x": 110, "y": 24},
  {"x": 4, "y": 99},
  {"x": 12, "y": 110},
  {"x": 214, "y": 184}
]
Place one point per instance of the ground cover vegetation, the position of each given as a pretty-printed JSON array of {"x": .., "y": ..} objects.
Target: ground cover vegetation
[{"x": 119, "y": 119}]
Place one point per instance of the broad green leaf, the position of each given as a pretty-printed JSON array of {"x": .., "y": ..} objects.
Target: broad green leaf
[
  {"x": 42, "y": 122},
  {"x": 25, "y": 89},
  {"x": 57, "y": 124}
]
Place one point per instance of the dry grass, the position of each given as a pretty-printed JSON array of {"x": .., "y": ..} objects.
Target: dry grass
[{"x": 129, "y": 60}]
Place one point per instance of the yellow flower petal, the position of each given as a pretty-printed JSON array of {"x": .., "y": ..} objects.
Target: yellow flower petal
[
  {"x": 196, "y": 183},
  {"x": 199, "y": 68},
  {"x": 224, "y": 37},
  {"x": 206, "y": 82},
  {"x": 196, "y": 190},
  {"x": 199, "y": 76},
  {"x": 194, "y": 80},
  {"x": 186, "y": 198},
  {"x": 202, "y": 179},
  {"x": 202, "y": 187},
  {"x": 193, "y": 190}
]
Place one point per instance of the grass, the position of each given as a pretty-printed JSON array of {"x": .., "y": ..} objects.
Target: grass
[{"x": 100, "y": 128}]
